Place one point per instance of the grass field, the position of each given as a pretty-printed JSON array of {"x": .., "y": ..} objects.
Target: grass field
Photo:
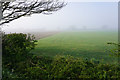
[{"x": 91, "y": 44}]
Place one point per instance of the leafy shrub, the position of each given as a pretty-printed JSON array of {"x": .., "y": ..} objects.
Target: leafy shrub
[
  {"x": 16, "y": 48},
  {"x": 116, "y": 51},
  {"x": 65, "y": 68},
  {"x": 8, "y": 74},
  {"x": 39, "y": 69},
  {"x": 68, "y": 67},
  {"x": 76, "y": 68},
  {"x": 19, "y": 63}
]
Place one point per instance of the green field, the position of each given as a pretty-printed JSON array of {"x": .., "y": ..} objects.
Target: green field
[{"x": 85, "y": 44}]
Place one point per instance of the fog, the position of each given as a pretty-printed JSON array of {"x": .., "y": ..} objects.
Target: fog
[{"x": 76, "y": 16}]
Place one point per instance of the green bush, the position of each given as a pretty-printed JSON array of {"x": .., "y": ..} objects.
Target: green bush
[
  {"x": 19, "y": 63},
  {"x": 68, "y": 67},
  {"x": 65, "y": 68},
  {"x": 116, "y": 51},
  {"x": 8, "y": 74},
  {"x": 17, "y": 44},
  {"x": 16, "y": 48},
  {"x": 74, "y": 68}
]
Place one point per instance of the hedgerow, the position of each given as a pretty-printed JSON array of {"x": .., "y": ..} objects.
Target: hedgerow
[{"x": 18, "y": 62}]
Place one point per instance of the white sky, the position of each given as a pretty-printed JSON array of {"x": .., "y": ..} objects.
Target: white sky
[
  {"x": 93, "y": 15},
  {"x": 92, "y": 0}
]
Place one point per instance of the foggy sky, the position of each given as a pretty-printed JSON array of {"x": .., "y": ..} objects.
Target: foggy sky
[{"x": 76, "y": 16}]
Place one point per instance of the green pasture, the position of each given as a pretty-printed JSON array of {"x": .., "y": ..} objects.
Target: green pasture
[{"x": 85, "y": 44}]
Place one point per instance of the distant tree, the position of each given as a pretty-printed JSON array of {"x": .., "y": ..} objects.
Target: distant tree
[
  {"x": 73, "y": 27},
  {"x": 104, "y": 27},
  {"x": 84, "y": 27},
  {"x": 16, "y": 9}
]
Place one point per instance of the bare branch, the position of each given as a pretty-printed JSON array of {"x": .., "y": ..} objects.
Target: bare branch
[{"x": 16, "y": 9}]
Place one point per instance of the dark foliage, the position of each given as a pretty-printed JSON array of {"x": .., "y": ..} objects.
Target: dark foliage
[
  {"x": 16, "y": 48},
  {"x": 116, "y": 51},
  {"x": 18, "y": 63}
]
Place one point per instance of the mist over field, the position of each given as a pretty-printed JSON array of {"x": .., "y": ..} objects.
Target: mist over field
[
  {"x": 76, "y": 16},
  {"x": 80, "y": 27},
  {"x": 79, "y": 41}
]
